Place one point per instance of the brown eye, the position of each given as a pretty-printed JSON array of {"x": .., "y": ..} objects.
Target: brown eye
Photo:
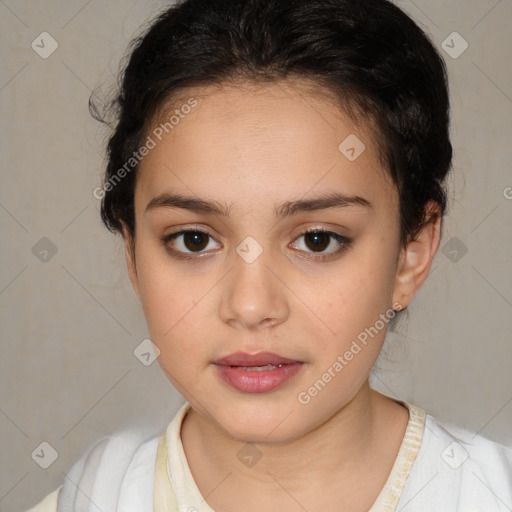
[
  {"x": 188, "y": 241},
  {"x": 195, "y": 240},
  {"x": 316, "y": 241}
]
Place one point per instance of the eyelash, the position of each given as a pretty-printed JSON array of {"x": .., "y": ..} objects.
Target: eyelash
[{"x": 343, "y": 240}]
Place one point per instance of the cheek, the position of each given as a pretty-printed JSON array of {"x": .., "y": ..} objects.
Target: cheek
[
  {"x": 170, "y": 310},
  {"x": 353, "y": 299},
  {"x": 168, "y": 298},
  {"x": 177, "y": 308}
]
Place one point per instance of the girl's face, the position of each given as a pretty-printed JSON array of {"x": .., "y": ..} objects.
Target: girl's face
[{"x": 255, "y": 168}]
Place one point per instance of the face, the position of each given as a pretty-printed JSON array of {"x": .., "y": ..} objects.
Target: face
[{"x": 268, "y": 257}]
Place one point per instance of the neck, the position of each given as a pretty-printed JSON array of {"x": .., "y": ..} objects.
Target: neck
[{"x": 338, "y": 450}]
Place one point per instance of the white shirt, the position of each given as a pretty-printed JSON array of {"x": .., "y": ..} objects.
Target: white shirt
[{"x": 439, "y": 467}]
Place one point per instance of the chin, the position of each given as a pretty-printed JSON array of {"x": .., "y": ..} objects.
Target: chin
[{"x": 271, "y": 423}]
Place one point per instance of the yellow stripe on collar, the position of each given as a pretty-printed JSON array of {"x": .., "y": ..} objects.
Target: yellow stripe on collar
[{"x": 163, "y": 497}]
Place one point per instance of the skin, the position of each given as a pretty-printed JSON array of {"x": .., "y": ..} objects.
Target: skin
[{"x": 252, "y": 148}]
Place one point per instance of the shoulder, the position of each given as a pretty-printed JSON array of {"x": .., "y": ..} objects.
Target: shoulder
[
  {"x": 48, "y": 504},
  {"x": 119, "y": 466},
  {"x": 466, "y": 450},
  {"x": 137, "y": 485},
  {"x": 457, "y": 469}
]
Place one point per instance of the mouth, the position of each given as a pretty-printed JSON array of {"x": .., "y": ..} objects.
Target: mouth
[
  {"x": 261, "y": 359},
  {"x": 259, "y": 368},
  {"x": 256, "y": 373}
]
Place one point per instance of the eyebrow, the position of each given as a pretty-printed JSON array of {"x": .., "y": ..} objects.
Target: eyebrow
[{"x": 287, "y": 209}]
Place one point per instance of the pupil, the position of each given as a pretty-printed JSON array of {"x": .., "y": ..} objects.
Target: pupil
[
  {"x": 321, "y": 240},
  {"x": 199, "y": 241}
]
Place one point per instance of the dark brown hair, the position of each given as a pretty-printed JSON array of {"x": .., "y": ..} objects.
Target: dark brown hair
[{"x": 368, "y": 52}]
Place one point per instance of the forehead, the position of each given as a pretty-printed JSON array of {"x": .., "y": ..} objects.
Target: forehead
[{"x": 252, "y": 143}]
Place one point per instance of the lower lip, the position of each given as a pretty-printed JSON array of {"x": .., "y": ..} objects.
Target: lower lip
[{"x": 257, "y": 381}]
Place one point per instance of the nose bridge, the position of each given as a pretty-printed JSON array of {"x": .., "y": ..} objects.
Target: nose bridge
[{"x": 254, "y": 296}]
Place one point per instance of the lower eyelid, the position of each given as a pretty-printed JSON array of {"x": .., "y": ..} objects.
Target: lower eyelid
[{"x": 344, "y": 245}]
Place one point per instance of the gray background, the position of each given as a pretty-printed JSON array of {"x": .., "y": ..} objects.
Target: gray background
[{"x": 70, "y": 324}]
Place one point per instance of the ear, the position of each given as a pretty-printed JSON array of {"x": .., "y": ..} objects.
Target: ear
[
  {"x": 129, "y": 248},
  {"x": 416, "y": 258}
]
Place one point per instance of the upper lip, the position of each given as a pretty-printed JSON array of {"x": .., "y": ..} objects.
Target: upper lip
[{"x": 259, "y": 359}]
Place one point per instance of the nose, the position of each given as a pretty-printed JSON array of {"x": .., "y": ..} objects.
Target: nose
[{"x": 254, "y": 298}]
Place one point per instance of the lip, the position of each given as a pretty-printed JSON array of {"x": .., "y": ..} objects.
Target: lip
[
  {"x": 259, "y": 359},
  {"x": 233, "y": 370}
]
